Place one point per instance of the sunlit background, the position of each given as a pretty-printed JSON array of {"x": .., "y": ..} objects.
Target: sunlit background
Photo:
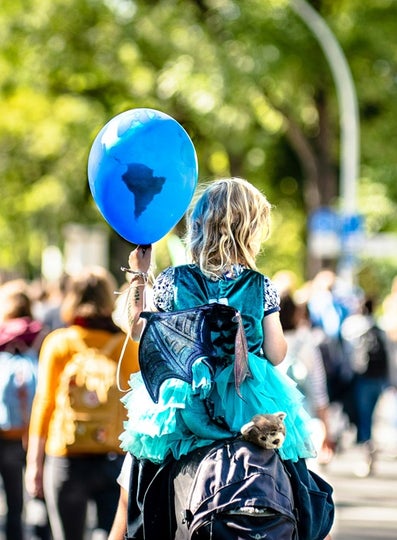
[{"x": 250, "y": 83}]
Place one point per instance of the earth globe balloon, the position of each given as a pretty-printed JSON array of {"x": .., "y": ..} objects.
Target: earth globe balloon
[{"x": 142, "y": 173}]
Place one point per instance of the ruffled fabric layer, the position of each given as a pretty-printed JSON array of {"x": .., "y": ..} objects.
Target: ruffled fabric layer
[
  {"x": 179, "y": 422},
  {"x": 154, "y": 430},
  {"x": 267, "y": 391}
]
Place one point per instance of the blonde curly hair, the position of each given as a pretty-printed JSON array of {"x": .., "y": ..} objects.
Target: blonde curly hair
[{"x": 227, "y": 226}]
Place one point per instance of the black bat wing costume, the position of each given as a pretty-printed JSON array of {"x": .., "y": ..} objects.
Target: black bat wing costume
[{"x": 172, "y": 341}]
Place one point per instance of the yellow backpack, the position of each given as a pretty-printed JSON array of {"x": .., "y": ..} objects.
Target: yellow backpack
[{"x": 88, "y": 412}]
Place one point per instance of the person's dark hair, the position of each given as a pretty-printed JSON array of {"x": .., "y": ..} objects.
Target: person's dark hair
[
  {"x": 368, "y": 308},
  {"x": 287, "y": 313},
  {"x": 15, "y": 301},
  {"x": 90, "y": 295}
]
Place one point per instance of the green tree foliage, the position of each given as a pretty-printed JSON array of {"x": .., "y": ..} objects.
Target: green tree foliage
[{"x": 246, "y": 79}]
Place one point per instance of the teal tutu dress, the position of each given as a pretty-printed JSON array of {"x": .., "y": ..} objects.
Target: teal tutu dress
[{"x": 179, "y": 422}]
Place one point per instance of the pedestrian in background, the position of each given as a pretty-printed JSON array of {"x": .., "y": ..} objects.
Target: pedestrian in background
[
  {"x": 69, "y": 477},
  {"x": 20, "y": 341},
  {"x": 368, "y": 353},
  {"x": 304, "y": 364}
]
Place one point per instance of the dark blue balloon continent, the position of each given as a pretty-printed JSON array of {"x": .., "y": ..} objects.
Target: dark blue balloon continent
[{"x": 143, "y": 185}]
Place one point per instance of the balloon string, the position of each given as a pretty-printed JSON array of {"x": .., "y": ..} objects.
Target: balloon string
[
  {"x": 129, "y": 332},
  {"x": 119, "y": 363}
]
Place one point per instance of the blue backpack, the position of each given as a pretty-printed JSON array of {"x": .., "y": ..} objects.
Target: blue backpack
[{"x": 18, "y": 380}]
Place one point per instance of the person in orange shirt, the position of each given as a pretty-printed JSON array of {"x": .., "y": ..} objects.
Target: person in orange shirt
[{"x": 69, "y": 478}]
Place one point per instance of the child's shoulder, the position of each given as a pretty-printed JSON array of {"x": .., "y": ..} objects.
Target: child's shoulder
[
  {"x": 169, "y": 273},
  {"x": 254, "y": 275},
  {"x": 268, "y": 283}
]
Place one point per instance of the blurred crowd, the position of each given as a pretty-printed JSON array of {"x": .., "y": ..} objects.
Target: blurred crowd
[
  {"x": 342, "y": 354},
  {"x": 48, "y": 481}
]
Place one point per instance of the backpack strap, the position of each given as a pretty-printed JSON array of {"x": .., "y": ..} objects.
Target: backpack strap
[
  {"x": 112, "y": 343},
  {"x": 107, "y": 349},
  {"x": 314, "y": 504}
]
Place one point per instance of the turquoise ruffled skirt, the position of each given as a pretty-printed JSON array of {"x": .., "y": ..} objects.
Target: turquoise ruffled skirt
[{"x": 178, "y": 423}]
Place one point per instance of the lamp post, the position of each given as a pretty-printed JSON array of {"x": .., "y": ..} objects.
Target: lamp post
[{"x": 348, "y": 109}]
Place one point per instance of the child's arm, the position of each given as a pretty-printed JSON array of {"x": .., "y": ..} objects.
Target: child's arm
[
  {"x": 139, "y": 262},
  {"x": 274, "y": 343}
]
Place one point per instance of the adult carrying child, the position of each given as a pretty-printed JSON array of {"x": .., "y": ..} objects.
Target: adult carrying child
[{"x": 182, "y": 414}]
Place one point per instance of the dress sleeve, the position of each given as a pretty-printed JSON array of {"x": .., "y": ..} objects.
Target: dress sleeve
[
  {"x": 123, "y": 478},
  {"x": 163, "y": 290},
  {"x": 271, "y": 297}
]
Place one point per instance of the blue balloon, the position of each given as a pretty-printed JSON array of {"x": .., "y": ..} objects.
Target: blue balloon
[{"x": 142, "y": 172}]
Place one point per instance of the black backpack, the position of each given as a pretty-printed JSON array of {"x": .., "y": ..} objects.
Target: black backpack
[
  {"x": 201, "y": 496},
  {"x": 237, "y": 491},
  {"x": 374, "y": 354},
  {"x": 231, "y": 490}
]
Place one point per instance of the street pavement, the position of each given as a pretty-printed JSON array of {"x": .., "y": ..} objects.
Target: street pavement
[{"x": 366, "y": 507}]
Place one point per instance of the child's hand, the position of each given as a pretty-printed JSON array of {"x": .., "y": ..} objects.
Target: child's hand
[{"x": 139, "y": 259}]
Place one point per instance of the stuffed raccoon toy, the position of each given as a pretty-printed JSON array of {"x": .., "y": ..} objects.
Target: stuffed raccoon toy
[{"x": 265, "y": 430}]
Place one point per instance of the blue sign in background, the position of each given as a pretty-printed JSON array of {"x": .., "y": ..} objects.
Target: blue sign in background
[
  {"x": 332, "y": 233},
  {"x": 324, "y": 219}
]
